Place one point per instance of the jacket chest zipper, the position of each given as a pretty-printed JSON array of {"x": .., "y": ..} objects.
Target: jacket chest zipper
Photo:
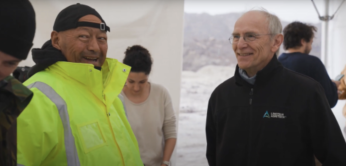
[
  {"x": 251, "y": 93},
  {"x": 250, "y": 127},
  {"x": 116, "y": 143}
]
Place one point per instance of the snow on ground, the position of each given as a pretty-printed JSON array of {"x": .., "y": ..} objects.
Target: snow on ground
[{"x": 196, "y": 88}]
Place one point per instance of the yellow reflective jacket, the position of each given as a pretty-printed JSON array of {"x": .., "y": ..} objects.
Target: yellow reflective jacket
[{"x": 76, "y": 118}]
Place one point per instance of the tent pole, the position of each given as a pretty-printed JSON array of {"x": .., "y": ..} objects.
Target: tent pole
[{"x": 325, "y": 36}]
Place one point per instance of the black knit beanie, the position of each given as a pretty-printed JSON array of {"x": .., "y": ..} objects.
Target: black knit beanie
[
  {"x": 17, "y": 27},
  {"x": 68, "y": 18}
]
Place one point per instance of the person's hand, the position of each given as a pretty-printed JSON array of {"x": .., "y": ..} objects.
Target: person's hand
[
  {"x": 340, "y": 92},
  {"x": 337, "y": 83}
]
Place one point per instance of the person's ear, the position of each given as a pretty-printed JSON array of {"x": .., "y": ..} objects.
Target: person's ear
[
  {"x": 55, "y": 37},
  {"x": 303, "y": 42},
  {"x": 278, "y": 39}
]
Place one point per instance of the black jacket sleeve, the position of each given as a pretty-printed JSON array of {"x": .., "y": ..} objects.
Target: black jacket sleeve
[
  {"x": 320, "y": 75},
  {"x": 211, "y": 134},
  {"x": 326, "y": 138}
]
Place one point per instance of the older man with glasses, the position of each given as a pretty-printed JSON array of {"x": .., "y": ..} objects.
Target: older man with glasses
[{"x": 266, "y": 114}]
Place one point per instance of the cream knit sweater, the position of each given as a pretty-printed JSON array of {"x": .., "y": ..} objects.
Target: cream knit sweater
[{"x": 152, "y": 121}]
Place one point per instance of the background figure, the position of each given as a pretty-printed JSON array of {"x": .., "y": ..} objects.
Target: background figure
[
  {"x": 298, "y": 38},
  {"x": 17, "y": 31},
  {"x": 342, "y": 93},
  {"x": 149, "y": 110}
]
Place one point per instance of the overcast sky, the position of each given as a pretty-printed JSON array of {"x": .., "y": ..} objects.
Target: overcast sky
[{"x": 287, "y": 10}]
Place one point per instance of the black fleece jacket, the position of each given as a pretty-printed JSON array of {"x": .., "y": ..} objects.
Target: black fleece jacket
[{"x": 284, "y": 119}]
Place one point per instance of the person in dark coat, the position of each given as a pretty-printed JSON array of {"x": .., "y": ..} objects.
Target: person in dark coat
[
  {"x": 298, "y": 38},
  {"x": 267, "y": 115},
  {"x": 17, "y": 30}
]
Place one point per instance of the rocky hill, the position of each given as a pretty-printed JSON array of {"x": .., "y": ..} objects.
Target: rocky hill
[{"x": 206, "y": 40}]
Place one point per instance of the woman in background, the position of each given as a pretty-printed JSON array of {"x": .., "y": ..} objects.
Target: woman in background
[{"x": 149, "y": 110}]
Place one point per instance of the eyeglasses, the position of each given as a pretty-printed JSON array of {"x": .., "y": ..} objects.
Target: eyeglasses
[{"x": 247, "y": 38}]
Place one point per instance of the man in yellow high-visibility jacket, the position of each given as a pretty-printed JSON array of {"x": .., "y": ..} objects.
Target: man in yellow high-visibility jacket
[{"x": 76, "y": 117}]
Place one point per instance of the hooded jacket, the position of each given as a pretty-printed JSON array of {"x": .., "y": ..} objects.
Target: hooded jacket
[
  {"x": 284, "y": 119},
  {"x": 44, "y": 57},
  {"x": 75, "y": 117}
]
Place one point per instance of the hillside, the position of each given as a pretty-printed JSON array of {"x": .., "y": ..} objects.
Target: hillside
[{"x": 206, "y": 40}]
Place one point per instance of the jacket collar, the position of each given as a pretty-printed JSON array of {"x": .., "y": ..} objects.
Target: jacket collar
[
  {"x": 106, "y": 84},
  {"x": 11, "y": 89},
  {"x": 262, "y": 76},
  {"x": 44, "y": 57},
  {"x": 16, "y": 88},
  {"x": 286, "y": 54}
]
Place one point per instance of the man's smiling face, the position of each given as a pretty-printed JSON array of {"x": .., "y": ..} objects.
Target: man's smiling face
[
  {"x": 253, "y": 56},
  {"x": 83, "y": 44}
]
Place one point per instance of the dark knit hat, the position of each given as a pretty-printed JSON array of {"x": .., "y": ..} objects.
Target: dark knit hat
[
  {"x": 17, "y": 28},
  {"x": 68, "y": 18}
]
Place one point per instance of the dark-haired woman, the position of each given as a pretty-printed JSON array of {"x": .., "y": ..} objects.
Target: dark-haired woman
[{"x": 149, "y": 110}]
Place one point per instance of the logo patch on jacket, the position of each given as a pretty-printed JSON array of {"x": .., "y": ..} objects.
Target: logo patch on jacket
[{"x": 274, "y": 115}]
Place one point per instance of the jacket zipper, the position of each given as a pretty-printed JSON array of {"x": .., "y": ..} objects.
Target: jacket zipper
[
  {"x": 251, "y": 93},
  {"x": 250, "y": 127},
  {"x": 109, "y": 122},
  {"x": 116, "y": 142}
]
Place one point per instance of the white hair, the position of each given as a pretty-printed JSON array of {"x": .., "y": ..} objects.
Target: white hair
[{"x": 274, "y": 23}]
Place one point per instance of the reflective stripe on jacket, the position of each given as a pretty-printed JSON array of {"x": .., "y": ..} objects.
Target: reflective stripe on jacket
[{"x": 76, "y": 118}]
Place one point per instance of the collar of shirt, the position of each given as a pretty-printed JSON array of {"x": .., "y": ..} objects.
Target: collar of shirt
[{"x": 243, "y": 75}]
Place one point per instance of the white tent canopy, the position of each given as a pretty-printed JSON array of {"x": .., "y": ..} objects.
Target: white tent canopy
[{"x": 158, "y": 25}]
